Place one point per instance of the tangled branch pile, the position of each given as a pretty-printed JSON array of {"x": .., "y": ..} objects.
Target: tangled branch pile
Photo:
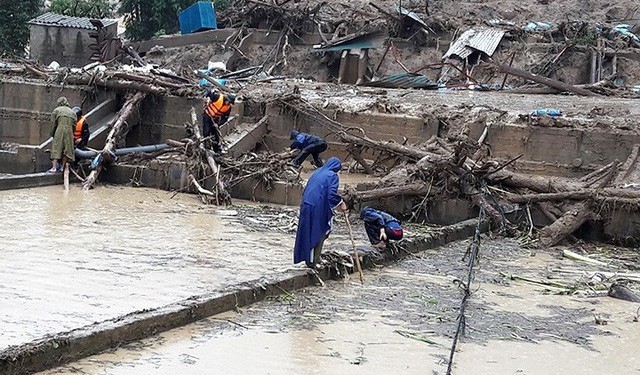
[{"x": 456, "y": 167}]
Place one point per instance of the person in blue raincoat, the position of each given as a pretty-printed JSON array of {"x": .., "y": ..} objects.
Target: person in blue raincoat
[
  {"x": 319, "y": 199},
  {"x": 380, "y": 227},
  {"x": 308, "y": 145}
]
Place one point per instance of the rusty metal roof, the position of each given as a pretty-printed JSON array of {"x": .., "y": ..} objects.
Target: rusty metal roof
[
  {"x": 483, "y": 39},
  {"x": 58, "y": 20}
]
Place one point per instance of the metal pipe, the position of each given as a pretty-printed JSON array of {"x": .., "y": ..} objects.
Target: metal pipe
[
  {"x": 149, "y": 148},
  {"x": 88, "y": 154}
]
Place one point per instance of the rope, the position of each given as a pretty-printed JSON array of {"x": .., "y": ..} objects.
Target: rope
[{"x": 473, "y": 257}]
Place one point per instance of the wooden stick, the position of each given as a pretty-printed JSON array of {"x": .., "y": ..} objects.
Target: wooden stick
[
  {"x": 66, "y": 176},
  {"x": 571, "y": 255},
  {"x": 353, "y": 243}
]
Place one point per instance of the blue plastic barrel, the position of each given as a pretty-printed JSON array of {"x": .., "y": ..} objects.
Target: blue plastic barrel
[{"x": 198, "y": 17}]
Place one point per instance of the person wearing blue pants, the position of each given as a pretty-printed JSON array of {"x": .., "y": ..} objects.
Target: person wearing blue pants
[
  {"x": 380, "y": 227},
  {"x": 308, "y": 145}
]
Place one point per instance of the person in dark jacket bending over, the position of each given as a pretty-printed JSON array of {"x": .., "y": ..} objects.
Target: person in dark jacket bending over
[
  {"x": 308, "y": 145},
  {"x": 216, "y": 113},
  {"x": 380, "y": 226},
  {"x": 81, "y": 130},
  {"x": 319, "y": 198}
]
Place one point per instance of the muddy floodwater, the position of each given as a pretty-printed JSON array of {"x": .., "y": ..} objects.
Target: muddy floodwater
[
  {"x": 71, "y": 259},
  {"x": 401, "y": 321}
]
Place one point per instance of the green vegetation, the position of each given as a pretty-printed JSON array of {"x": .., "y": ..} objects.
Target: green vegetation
[
  {"x": 83, "y": 8},
  {"x": 148, "y": 18},
  {"x": 14, "y": 31}
]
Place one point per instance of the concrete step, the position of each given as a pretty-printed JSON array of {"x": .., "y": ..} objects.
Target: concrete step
[
  {"x": 245, "y": 137},
  {"x": 100, "y": 130},
  {"x": 29, "y": 180}
]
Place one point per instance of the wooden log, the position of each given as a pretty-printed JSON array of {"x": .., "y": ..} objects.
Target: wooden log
[
  {"x": 620, "y": 291},
  {"x": 352, "y": 195},
  {"x": 628, "y": 167},
  {"x": 147, "y": 80},
  {"x": 606, "y": 195},
  {"x": 597, "y": 173},
  {"x": 568, "y": 223},
  {"x": 541, "y": 184},
  {"x": 117, "y": 84},
  {"x": 412, "y": 153},
  {"x": 506, "y": 69},
  {"x": 116, "y": 131},
  {"x": 222, "y": 196}
]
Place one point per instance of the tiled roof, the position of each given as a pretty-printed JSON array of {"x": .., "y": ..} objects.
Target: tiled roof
[{"x": 58, "y": 20}]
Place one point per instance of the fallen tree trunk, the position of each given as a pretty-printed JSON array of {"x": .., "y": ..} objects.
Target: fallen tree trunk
[
  {"x": 352, "y": 195},
  {"x": 116, "y": 131},
  {"x": 541, "y": 184},
  {"x": 543, "y": 80},
  {"x": 220, "y": 191},
  {"x": 568, "y": 223},
  {"x": 606, "y": 194},
  {"x": 620, "y": 291},
  {"x": 629, "y": 167}
]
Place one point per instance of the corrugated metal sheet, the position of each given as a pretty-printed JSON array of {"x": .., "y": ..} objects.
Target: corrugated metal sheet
[
  {"x": 485, "y": 40},
  {"x": 58, "y": 20},
  {"x": 361, "y": 40},
  {"x": 412, "y": 15},
  {"x": 404, "y": 81}
]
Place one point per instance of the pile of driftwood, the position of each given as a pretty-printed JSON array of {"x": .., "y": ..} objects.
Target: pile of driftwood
[
  {"x": 455, "y": 168},
  {"x": 330, "y": 19}
]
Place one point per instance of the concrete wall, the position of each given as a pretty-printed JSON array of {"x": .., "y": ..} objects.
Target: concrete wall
[
  {"x": 163, "y": 117},
  {"x": 557, "y": 145},
  {"x": 377, "y": 126},
  {"x": 25, "y": 109},
  {"x": 266, "y": 37},
  {"x": 66, "y": 45}
]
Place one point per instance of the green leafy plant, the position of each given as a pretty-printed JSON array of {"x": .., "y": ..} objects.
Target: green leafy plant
[
  {"x": 14, "y": 30},
  {"x": 147, "y": 18},
  {"x": 83, "y": 8}
]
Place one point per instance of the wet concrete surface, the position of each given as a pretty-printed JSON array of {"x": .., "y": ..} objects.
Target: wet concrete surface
[
  {"x": 71, "y": 259},
  {"x": 402, "y": 320}
]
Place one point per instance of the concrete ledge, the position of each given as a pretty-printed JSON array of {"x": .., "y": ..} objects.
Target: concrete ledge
[
  {"x": 58, "y": 349},
  {"x": 30, "y": 180},
  {"x": 265, "y": 37}
]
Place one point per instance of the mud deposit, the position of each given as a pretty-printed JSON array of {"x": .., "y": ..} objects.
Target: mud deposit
[
  {"x": 68, "y": 260},
  {"x": 401, "y": 321}
]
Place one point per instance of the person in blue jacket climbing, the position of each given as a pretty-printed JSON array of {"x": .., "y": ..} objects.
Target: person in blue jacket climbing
[
  {"x": 308, "y": 145},
  {"x": 319, "y": 198},
  {"x": 380, "y": 226}
]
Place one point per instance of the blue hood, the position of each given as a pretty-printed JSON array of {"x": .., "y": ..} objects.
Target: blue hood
[{"x": 333, "y": 164}]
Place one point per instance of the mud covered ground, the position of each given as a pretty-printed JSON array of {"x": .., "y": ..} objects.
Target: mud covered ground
[
  {"x": 414, "y": 49},
  {"x": 401, "y": 320}
]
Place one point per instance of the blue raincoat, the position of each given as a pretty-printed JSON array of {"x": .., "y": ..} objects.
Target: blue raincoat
[
  {"x": 319, "y": 198},
  {"x": 302, "y": 140}
]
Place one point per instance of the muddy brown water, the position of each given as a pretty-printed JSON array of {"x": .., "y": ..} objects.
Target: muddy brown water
[
  {"x": 353, "y": 328},
  {"x": 71, "y": 259}
]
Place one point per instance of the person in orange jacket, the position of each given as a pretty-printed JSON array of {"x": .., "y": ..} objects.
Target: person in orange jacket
[
  {"x": 81, "y": 130},
  {"x": 216, "y": 113}
]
